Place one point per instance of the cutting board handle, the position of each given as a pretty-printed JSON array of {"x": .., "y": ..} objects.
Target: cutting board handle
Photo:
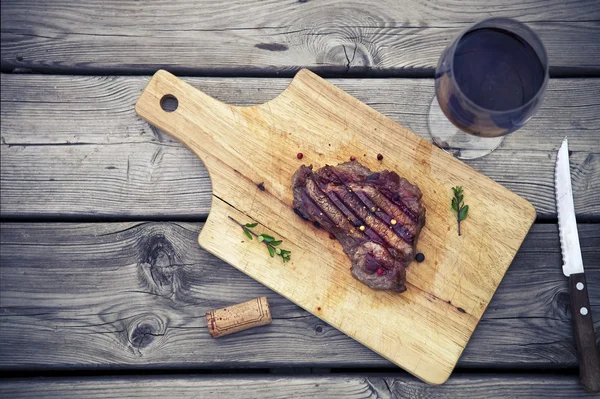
[
  {"x": 251, "y": 142},
  {"x": 198, "y": 120}
]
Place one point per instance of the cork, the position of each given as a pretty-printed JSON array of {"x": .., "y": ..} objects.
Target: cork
[{"x": 238, "y": 317}]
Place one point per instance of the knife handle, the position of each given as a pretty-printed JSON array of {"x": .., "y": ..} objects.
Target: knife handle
[{"x": 585, "y": 337}]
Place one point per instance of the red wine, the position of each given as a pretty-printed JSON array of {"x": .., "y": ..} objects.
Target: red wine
[
  {"x": 497, "y": 69},
  {"x": 487, "y": 84}
]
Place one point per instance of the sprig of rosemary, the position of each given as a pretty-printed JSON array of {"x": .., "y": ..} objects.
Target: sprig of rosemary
[
  {"x": 266, "y": 239},
  {"x": 459, "y": 206}
]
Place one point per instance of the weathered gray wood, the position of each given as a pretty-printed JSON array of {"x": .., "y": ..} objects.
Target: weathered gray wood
[
  {"x": 73, "y": 146},
  {"x": 40, "y": 109},
  {"x": 234, "y": 37},
  {"x": 159, "y": 181},
  {"x": 134, "y": 295},
  {"x": 166, "y": 181},
  {"x": 349, "y": 386}
]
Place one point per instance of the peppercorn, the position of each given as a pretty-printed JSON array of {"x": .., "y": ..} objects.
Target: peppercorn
[
  {"x": 352, "y": 158},
  {"x": 299, "y": 155},
  {"x": 380, "y": 271},
  {"x": 379, "y": 157},
  {"x": 419, "y": 257}
]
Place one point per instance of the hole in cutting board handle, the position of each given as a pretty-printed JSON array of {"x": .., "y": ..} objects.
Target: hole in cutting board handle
[{"x": 169, "y": 103}]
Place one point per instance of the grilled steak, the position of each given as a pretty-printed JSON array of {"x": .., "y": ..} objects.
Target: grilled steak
[{"x": 376, "y": 216}]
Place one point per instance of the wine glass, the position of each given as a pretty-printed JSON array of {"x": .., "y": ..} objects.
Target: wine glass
[{"x": 488, "y": 82}]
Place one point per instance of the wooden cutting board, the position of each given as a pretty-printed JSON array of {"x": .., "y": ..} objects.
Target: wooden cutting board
[{"x": 245, "y": 149}]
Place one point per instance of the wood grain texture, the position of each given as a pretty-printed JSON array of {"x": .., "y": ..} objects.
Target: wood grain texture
[
  {"x": 583, "y": 331},
  {"x": 73, "y": 146},
  {"x": 134, "y": 295},
  {"x": 270, "y": 37},
  {"x": 349, "y": 386},
  {"x": 249, "y": 153},
  {"x": 41, "y": 109}
]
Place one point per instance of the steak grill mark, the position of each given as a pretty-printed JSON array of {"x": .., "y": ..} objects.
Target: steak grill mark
[{"x": 384, "y": 217}]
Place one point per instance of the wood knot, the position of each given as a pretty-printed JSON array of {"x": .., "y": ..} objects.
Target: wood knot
[
  {"x": 319, "y": 330},
  {"x": 351, "y": 57},
  {"x": 562, "y": 304},
  {"x": 160, "y": 265},
  {"x": 144, "y": 330},
  {"x": 583, "y": 176}
]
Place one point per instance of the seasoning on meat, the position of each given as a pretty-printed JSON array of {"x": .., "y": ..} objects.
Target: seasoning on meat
[{"x": 377, "y": 217}]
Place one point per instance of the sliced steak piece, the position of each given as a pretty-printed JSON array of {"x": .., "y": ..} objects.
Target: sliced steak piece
[{"x": 376, "y": 216}]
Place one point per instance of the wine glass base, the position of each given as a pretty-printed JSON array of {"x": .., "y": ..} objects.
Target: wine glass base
[{"x": 453, "y": 140}]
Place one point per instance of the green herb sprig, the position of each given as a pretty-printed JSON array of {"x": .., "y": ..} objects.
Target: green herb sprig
[
  {"x": 271, "y": 243},
  {"x": 459, "y": 206}
]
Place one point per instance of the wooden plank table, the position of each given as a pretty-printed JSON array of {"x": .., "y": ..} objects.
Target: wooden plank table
[{"x": 102, "y": 285}]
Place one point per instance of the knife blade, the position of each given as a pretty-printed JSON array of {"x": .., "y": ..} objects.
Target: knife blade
[
  {"x": 585, "y": 337},
  {"x": 569, "y": 237}
]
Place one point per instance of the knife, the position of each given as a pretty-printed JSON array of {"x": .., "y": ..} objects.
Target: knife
[{"x": 583, "y": 324}]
